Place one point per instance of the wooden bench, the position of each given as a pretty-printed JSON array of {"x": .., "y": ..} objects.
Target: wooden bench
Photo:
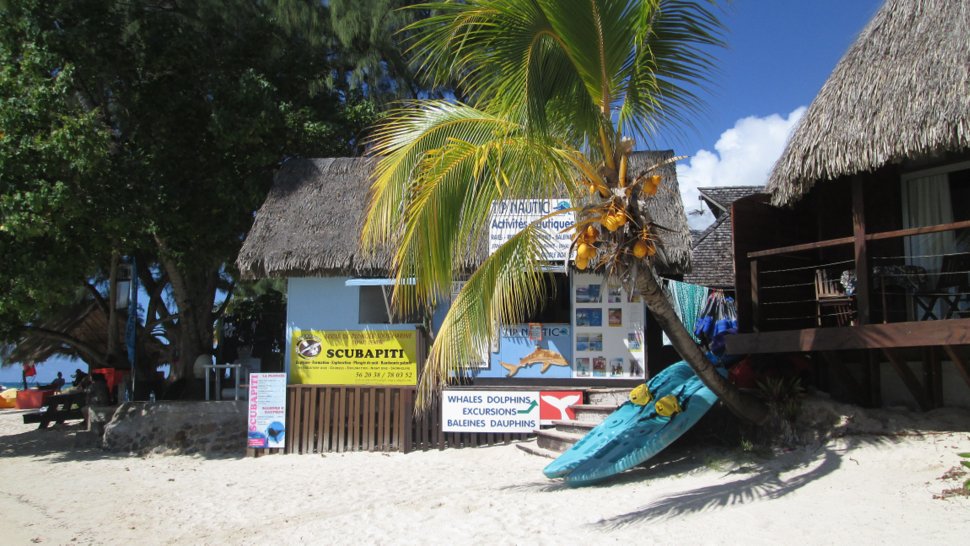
[{"x": 60, "y": 408}]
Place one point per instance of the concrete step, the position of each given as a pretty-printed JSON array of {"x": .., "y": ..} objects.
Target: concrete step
[
  {"x": 554, "y": 440},
  {"x": 574, "y": 427},
  {"x": 603, "y": 397},
  {"x": 593, "y": 413},
  {"x": 532, "y": 448}
]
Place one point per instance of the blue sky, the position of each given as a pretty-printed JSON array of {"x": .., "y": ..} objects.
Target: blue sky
[{"x": 779, "y": 54}]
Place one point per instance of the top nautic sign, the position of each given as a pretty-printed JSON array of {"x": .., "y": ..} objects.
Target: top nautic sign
[{"x": 513, "y": 215}]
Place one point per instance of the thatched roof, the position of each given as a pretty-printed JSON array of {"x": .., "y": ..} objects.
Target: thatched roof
[
  {"x": 902, "y": 91},
  {"x": 713, "y": 248},
  {"x": 666, "y": 209},
  {"x": 311, "y": 220},
  {"x": 310, "y": 223}
]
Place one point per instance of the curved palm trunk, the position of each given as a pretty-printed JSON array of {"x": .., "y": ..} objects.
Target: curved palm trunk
[{"x": 742, "y": 405}]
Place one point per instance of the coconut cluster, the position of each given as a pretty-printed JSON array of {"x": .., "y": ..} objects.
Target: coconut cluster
[{"x": 609, "y": 232}]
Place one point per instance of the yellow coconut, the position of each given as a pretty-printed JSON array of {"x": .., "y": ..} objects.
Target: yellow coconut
[
  {"x": 591, "y": 233},
  {"x": 581, "y": 262},
  {"x": 651, "y": 185},
  {"x": 585, "y": 250},
  {"x": 640, "y": 249}
]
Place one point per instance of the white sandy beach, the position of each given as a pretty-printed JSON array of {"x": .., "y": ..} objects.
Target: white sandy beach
[{"x": 860, "y": 489}]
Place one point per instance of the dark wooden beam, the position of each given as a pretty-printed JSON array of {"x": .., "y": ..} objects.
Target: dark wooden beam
[
  {"x": 909, "y": 378},
  {"x": 801, "y": 247},
  {"x": 870, "y": 336},
  {"x": 917, "y": 230},
  {"x": 875, "y": 379},
  {"x": 755, "y": 297},
  {"x": 961, "y": 363},
  {"x": 895, "y": 234},
  {"x": 934, "y": 379},
  {"x": 835, "y": 362},
  {"x": 861, "y": 254}
]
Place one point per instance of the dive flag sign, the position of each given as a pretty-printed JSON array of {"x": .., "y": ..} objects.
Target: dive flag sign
[{"x": 558, "y": 405}]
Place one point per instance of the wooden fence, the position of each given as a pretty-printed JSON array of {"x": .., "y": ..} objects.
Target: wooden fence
[{"x": 329, "y": 418}]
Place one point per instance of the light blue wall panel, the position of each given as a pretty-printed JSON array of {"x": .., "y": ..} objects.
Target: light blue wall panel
[{"x": 325, "y": 303}]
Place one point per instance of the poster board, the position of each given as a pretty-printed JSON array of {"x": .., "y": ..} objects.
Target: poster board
[
  {"x": 267, "y": 411},
  {"x": 519, "y": 355},
  {"x": 608, "y": 325},
  {"x": 354, "y": 357},
  {"x": 511, "y": 216}
]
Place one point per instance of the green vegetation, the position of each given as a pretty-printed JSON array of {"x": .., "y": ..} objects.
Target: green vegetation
[{"x": 153, "y": 129}]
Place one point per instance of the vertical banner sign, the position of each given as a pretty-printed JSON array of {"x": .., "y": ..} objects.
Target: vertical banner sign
[
  {"x": 364, "y": 357},
  {"x": 267, "y": 410}
]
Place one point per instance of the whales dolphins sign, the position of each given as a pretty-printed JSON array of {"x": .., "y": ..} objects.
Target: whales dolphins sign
[{"x": 504, "y": 410}]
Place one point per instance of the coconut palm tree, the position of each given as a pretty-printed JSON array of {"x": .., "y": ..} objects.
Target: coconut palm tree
[{"x": 555, "y": 94}]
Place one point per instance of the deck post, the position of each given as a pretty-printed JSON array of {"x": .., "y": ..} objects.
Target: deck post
[
  {"x": 861, "y": 253},
  {"x": 755, "y": 298}
]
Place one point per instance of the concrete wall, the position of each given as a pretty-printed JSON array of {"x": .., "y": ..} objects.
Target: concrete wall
[{"x": 177, "y": 427}]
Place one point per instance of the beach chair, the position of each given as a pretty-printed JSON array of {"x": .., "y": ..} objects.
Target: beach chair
[{"x": 832, "y": 301}]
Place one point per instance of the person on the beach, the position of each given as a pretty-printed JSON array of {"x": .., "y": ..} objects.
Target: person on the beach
[{"x": 58, "y": 382}]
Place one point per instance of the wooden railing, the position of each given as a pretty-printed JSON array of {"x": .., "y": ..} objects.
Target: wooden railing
[
  {"x": 895, "y": 234},
  {"x": 327, "y": 418},
  {"x": 860, "y": 259}
]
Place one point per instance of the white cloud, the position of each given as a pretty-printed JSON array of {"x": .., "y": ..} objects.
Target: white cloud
[{"x": 744, "y": 156}]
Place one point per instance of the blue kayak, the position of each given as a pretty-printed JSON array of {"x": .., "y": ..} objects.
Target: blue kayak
[{"x": 633, "y": 434}]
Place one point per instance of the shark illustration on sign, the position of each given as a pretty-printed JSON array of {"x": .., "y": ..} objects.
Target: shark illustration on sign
[{"x": 540, "y": 356}]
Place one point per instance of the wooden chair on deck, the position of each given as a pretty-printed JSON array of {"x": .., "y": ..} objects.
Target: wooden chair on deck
[
  {"x": 954, "y": 284},
  {"x": 831, "y": 300}
]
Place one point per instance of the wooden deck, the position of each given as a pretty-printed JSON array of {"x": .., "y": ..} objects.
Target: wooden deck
[{"x": 931, "y": 341}]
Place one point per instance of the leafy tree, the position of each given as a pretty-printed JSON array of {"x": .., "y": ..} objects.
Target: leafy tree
[
  {"x": 152, "y": 129},
  {"x": 557, "y": 91}
]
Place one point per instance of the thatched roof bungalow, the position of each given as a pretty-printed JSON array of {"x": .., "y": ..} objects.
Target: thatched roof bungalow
[
  {"x": 308, "y": 231},
  {"x": 310, "y": 223},
  {"x": 862, "y": 255}
]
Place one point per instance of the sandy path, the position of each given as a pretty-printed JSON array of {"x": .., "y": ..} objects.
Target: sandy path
[{"x": 859, "y": 489}]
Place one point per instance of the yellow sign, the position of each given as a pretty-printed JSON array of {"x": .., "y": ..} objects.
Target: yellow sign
[{"x": 365, "y": 357}]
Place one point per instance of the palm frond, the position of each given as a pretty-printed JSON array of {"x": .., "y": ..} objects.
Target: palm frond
[
  {"x": 507, "y": 287},
  {"x": 452, "y": 161}
]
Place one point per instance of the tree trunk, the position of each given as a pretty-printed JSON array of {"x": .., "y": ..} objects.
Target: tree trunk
[
  {"x": 194, "y": 291},
  {"x": 112, "y": 349},
  {"x": 742, "y": 405}
]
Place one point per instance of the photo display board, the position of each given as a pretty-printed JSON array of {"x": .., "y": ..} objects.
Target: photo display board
[
  {"x": 531, "y": 351},
  {"x": 608, "y": 329}
]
